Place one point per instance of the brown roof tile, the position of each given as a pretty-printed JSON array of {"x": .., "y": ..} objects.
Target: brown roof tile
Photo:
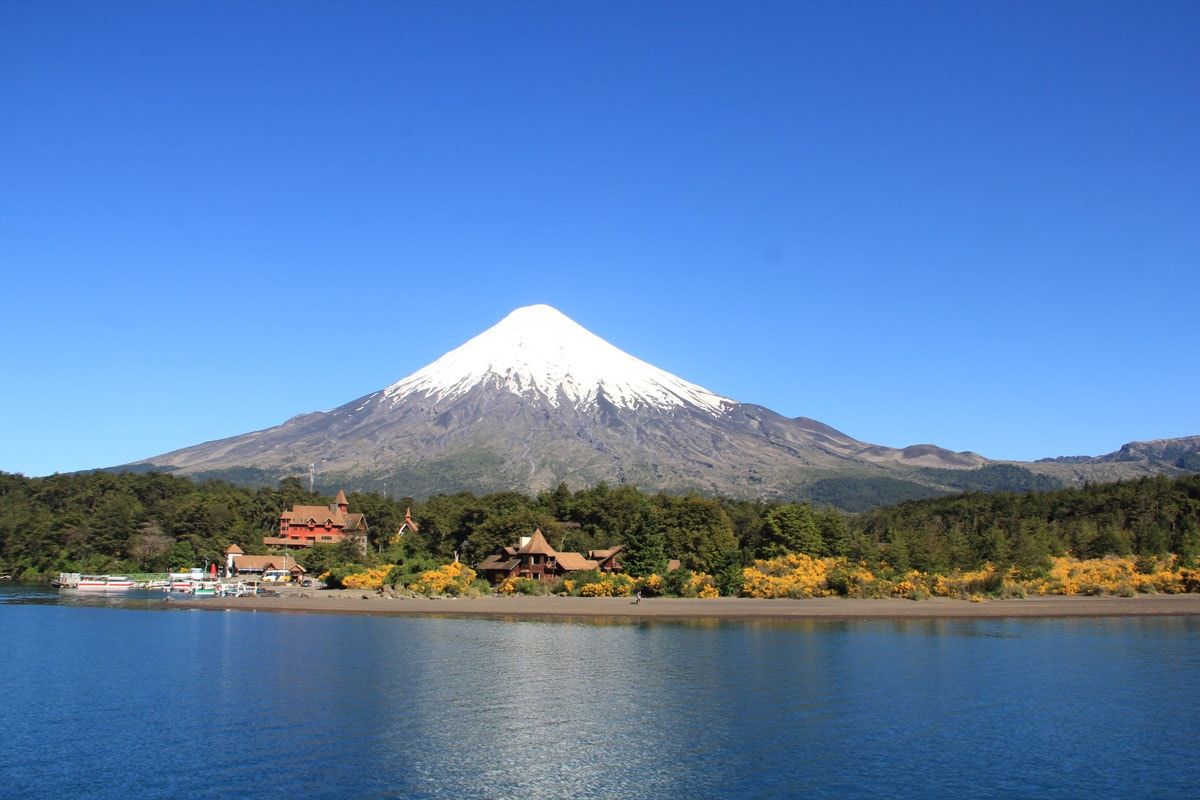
[
  {"x": 538, "y": 545},
  {"x": 574, "y": 562},
  {"x": 499, "y": 563},
  {"x": 260, "y": 562}
]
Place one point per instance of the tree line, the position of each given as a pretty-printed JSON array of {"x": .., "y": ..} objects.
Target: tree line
[{"x": 153, "y": 522}]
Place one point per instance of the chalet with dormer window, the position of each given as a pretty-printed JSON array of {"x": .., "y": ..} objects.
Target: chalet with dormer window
[
  {"x": 608, "y": 560},
  {"x": 534, "y": 559}
]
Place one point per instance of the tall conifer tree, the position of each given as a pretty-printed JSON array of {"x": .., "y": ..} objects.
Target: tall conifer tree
[{"x": 644, "y": 554}]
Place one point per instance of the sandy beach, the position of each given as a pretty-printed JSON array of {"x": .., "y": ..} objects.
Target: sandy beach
[{"x": 732, "y": 608}]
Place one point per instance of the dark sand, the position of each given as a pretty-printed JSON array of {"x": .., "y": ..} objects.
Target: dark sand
[{"x": 733, "y": 608}]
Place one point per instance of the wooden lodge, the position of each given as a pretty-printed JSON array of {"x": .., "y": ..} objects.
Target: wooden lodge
[
  {"x": 240, "y": 565},
  {"x": 535, "y": 559}
]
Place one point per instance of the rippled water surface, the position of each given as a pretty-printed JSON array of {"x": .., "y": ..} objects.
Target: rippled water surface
[{"x": 108, "y": 699}]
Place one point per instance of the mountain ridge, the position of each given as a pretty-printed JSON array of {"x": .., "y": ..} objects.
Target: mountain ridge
[{"x": 537, "y": 400}]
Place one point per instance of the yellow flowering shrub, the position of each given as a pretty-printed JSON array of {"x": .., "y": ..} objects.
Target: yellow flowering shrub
[
  {"x": 1070, "y": 576},
  {"x": 610, "y": 584},
  {"x": 794, "y": 575},
  {"x": 452, "y": 579},
  {"x": 965, "y": 585},
  {"x": 801, "y": 576},
  {"x": 1189, "y": 580},
  {"x": 1161, "y": 575},
  {"x": 1112, "y": 575},
  {"x": 855, "y": 580},
  {"x": 700, "y": 585},
  {"x": 513, "y": 585},
  {"x": 653, "y": 584},
  {"x": 602, "y": 589},
  {"x": 370, "y": 579}
]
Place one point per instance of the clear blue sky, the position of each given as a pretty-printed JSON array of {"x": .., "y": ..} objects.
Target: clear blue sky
[{"x": 975, "y": 224}]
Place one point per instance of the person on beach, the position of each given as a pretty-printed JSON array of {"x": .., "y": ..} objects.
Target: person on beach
[{"x": 638, "y": 599}]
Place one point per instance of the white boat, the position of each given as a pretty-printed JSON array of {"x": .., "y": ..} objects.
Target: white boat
[
  {"x": 103, "y": 583},
  {"x": 207, "y": 589}
]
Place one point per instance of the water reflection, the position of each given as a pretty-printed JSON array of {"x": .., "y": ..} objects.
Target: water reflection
[{"x": 325, "y": 706}]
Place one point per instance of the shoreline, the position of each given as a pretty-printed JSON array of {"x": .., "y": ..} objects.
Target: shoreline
[{"x": 355, "y": 602}]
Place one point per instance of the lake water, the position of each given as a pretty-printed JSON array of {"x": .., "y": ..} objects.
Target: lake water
[{"x": 111, "y": 700}]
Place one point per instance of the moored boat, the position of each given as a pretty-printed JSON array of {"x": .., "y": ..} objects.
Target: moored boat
[
  {"x": 103, "y": 583},
  {"x": 207, "y": 589}
]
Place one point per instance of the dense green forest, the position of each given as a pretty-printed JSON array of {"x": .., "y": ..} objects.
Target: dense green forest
[
  {"x": 152, "y": 522},
  {"x": 859, "y": 493}
]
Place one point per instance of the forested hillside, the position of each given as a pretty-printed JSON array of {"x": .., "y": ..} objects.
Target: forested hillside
[
  {"x": 1148, "y": 517},
  {"x": 103, "y": 522}
]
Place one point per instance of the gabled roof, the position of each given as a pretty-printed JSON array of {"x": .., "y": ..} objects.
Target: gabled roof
[
  {"x": 259, "y": 562},
  {"x": 263, "y": 563},
  {"x": 537, "y": 545},
  {"x": 409, "y": 522},
  {"x": 318, "y": 514},
  {"x": 496, "y": 562},
  {"x": 600, "y": 555},
  {"x": 234, "y": 550},
  {"x": 324, "y": 515},
  {"x": 573, "y": 562}
]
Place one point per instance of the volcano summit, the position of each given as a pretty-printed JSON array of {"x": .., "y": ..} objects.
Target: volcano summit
[
  {"x": 537, "y": 400},
  {"x": 538, "y": 353}
]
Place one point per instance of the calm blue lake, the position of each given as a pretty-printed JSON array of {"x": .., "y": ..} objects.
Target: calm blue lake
[{"x": 117, "y": 701}]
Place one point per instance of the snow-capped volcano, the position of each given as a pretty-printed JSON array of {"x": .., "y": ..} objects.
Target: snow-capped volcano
[
  {"x": 537, "y": 400},
  {"x": 538, "y": 352}
]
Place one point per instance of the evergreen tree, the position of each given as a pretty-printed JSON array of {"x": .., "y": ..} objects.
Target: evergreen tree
[
  {"x": 644, "y": 553},
  {"x": 835, "y": 534},
  {"x": 696, "y": 530},
  {"x": 1187, "y": 542},
  {"x": 728, "y": 573},
  {"x": 792, "y": 529}
]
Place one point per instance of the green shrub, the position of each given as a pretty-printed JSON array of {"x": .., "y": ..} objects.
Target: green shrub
[{"x": 676, "y": 582}]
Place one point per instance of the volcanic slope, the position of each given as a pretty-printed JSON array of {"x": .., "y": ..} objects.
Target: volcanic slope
[{"x": 537, "y": 400}]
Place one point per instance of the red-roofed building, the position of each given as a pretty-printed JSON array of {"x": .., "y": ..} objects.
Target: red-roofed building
[
  {"x": 409, "y": 525},
  {"x": 305, "y": 526}
]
